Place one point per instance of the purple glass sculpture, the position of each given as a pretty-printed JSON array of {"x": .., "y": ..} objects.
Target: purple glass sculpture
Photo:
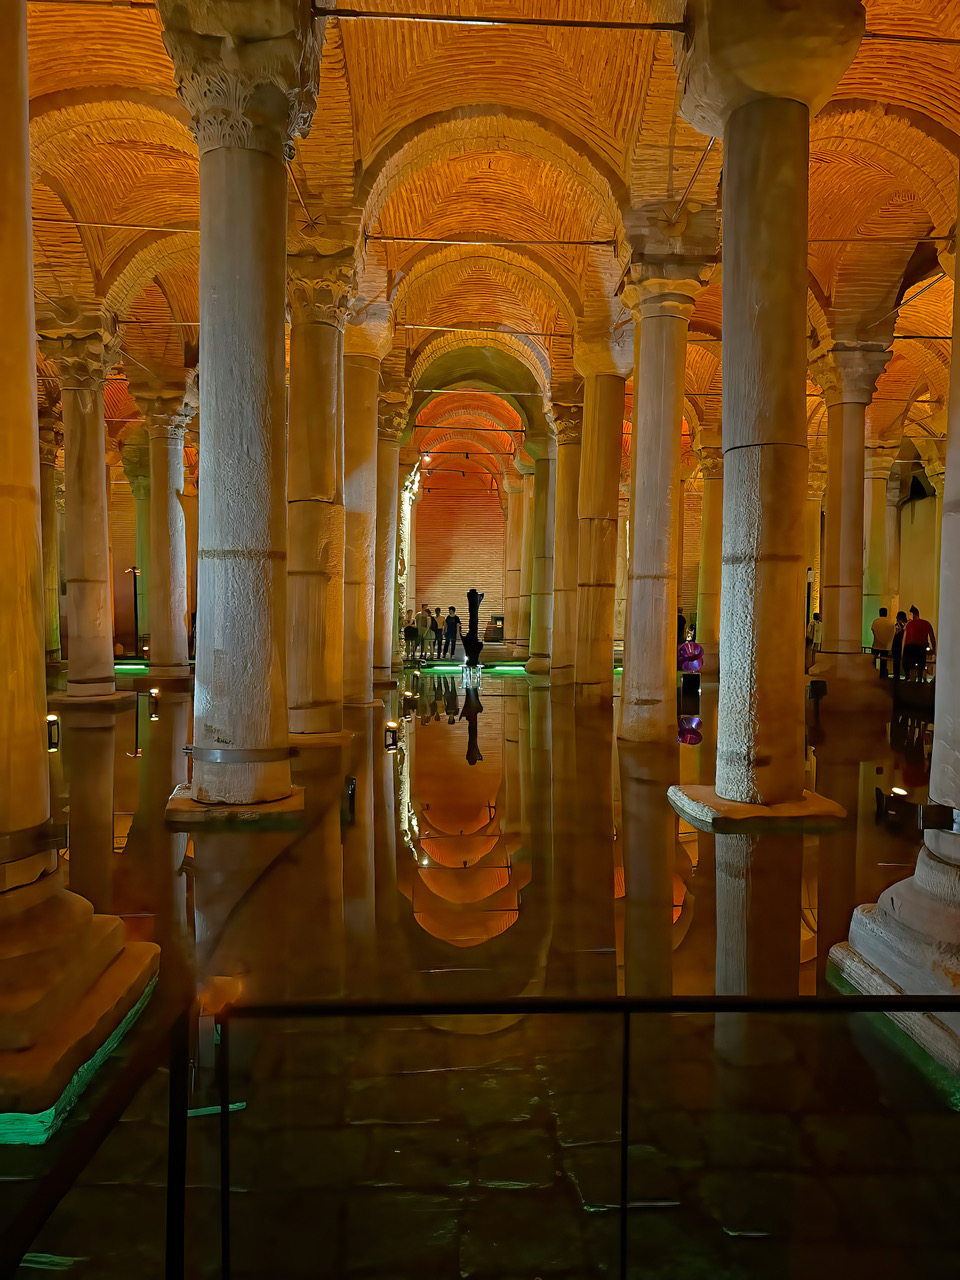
[{"x": 690, "y": 656}]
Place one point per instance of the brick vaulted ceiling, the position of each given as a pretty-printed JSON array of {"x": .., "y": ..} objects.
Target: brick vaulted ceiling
[{"x": 544, "y": 136}]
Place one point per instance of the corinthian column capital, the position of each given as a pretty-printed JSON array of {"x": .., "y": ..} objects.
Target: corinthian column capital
[
  {"x": 248, "y": 74},
  {"x": 711, "y": 463},
  {"x": 569, "y": 423},
  {"x": 848, "y": 374},
  {"x": 321, "y": 287},
  {"x": 81, "y": 339},
  {"x": 168, "y": 407}
]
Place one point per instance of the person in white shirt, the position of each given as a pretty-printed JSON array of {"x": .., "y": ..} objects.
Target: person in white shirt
[
  {"x": 814, "y": 640},
  {"x": 882, "y": 628}
]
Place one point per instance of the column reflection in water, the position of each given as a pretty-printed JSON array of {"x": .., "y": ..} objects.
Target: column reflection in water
[
  {"x": 89, "y": 742},
  {"x": 589, "y": 848},
  {"x": 359, "y": 871}
]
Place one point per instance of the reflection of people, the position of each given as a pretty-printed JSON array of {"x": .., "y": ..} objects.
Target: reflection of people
[
  {"x": 471, "y": 710},
  {"x": 451, "y": 625},
  {"x": 896, "y": 644},
  {"x": 917, "y": 638},
  {"x": 451, "y": 703},
  {"x": 882, "y": 628}
]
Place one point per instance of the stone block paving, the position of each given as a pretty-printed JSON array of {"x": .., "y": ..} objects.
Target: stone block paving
[{"x": 387, "y": 1150}]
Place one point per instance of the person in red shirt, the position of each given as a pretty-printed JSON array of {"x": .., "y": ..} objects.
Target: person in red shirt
[{"x": 917, "y": 637}]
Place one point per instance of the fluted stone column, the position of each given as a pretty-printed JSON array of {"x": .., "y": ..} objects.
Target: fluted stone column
[
  {"x": 135, "y": 457},
  {"x": 513, "y": 488},
  {"x": 736, "y": 59},
  {"x": 566, "y": 544},
  {"x": 662, "y": 300},
  {"x": 249, "y": 89},
  {"x": 910, "y": 940},
  {"x": 361, "y": 383},
  {"x": 521, "y": 649},
  {"x": 876, "y": 474},
  {"x": 51, "y": 438},
  {"x": 848, "y": 376},
  {"x": 541, "y": 586},
  {"x": 711, "y": 562},
  {"x": 167, "y": 411},
  {"x": 80, "y": 340},
  {"x": 388, "y": 494},
  {"x": 598, "y": 508},
  {"x": 320, "y": 290}
]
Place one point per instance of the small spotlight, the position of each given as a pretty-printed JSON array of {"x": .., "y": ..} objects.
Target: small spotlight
[
  {"x": 391, "y": 735},
  {"x": 154, "y": 704},
  {"x": 898, "y": 791},
  {"x": 53, "y": 733}
]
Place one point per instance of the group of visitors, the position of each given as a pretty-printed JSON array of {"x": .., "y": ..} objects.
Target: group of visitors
[
  {"x": 426, "y": 631},
  {"x": 906, "y": 642}
]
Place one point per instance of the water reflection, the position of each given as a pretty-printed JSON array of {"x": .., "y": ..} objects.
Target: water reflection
[{"x": 510, "y": 844}]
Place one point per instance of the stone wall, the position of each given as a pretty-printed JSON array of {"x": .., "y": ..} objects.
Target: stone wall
[{"x": 460, "y": 543}]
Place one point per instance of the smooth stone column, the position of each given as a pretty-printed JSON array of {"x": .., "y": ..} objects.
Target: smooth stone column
[
  {"x": 513, "y": 488},
  {"x": 24, "y": 776},
  {"x": 247, "y": 95},
  {"x": 522, "y": 646},
  {"x": 876, "y": 474},
  {"x": 541, "y": 588},
  {"x": 909, "y": 942},
  {"x": 623, "y": 560},
  {"x": 813, "y": 520},
  {"x": 169, "y": 606},
  {"x": 598, "y": 504},
  {"x": 728, "y": 65},
  {"x": 848, "y": 376},
  {"x": 662, "y": 309},
  {"x": 566, "y": 546},
  {"x": 135, "y": 457},
  {"x": 711, "y": 561},
  {"x": 50, "y": 440},
  {"x": 388, "y": 494},
  {"x": 80, "y": 341},
  {"x": 320, "y": 291},
  {"x": 361, "y": 381}
]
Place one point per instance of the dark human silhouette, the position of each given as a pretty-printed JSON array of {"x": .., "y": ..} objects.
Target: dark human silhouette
[
  {"x": 472, "y": 644},
  {"x": 472, "y": 707}
]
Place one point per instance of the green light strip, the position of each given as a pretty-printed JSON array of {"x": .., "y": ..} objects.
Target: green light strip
[
  {"x": 48, "y": 1262},
  {"x": 215, "y": 1110},
  {"x": 130, "y": 666},
  {"x": 33, "y": 1129}
]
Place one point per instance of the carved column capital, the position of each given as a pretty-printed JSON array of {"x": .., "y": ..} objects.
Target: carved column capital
[
  {"x": 82, "y": 341},
  {"x": 248, "y": 77},
  {"x": 50, "y": 429},
  {"x": 168, "y": 407},
  {"x": 321, "y": 287},
  {"x": 848, "y": 374},
  {"x": 569, "y": 423},
  {"x": 877, "y": 462}
]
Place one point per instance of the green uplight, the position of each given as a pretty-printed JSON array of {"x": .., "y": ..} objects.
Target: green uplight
[{"x": 131, "y": 666}]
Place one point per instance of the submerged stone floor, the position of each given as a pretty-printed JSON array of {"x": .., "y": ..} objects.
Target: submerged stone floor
[{"x": 516, "y": 852}]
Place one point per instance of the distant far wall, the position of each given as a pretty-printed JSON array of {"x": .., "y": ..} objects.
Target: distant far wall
[{"x": 460, "y": 545}]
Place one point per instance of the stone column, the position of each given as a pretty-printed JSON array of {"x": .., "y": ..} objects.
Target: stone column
[
  {"x": 711, "y": 564},
  {"x": 876, "y": 474},
  {"x": 662, "y": 303},
  {"x": 167, "y": 413},
  {"x": 623, "y": 559},
  {"x": 513, "y": 487},
  {"x": 135, "y": 457},
  {"x": 249, "y": 89},
  {"x": 936, "y": 476},
  {"x": 51, "y": 438},
  {"x": 541, "y": 587},
  {"x": 522, "y": 646},
  {"x": 361, "y": 385},
  {"x": 80, "y": 341},
  {"x": 736, "y": 59},
  {"x": 813, "y": 520},
  {"x": 320, "y": 290},
  {"x": 598, "y": 505},
  {"x": 848, "y": 376},
  {"x": 908, "y": 941},
  {"x": 566, "y": 544},
  {"x": 388, "y": 493}
]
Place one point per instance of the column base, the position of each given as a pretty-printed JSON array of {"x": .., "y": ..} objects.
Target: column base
[
  {"x": 115, "y": 701},
  {"x": 363, "y": 706},
  {"x": 931, "y": 1031},
  {"x": 175, "y": 671},
  {"x": 183, "y": 812},
  {"x": 705, "y": 810},
  {"x": 385, "y": 679},
  {"x": 538, "y": 665},
  {"x": 324, "y": 717},
  {"x": 308, "y": 741}
]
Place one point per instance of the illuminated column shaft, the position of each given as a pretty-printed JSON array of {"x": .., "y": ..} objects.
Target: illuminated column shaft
[
  {"x": 50, "y": 439},
  {"x": 566, "y": 546},
  {"x": 711, "y": 536},
  {"x": 24, "y": 785},
  {"x": 361, "y": 379},
  {"x": 388, "y": 492},
  {"x": 875, "y": 575},
  {"x": 526, "y": 570},
  {"x": 169, "y": 609},
  {"x": 513, "y": 487},
  {"x": 247, "y": 95},
  {"x": 541, "y": 588}
]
